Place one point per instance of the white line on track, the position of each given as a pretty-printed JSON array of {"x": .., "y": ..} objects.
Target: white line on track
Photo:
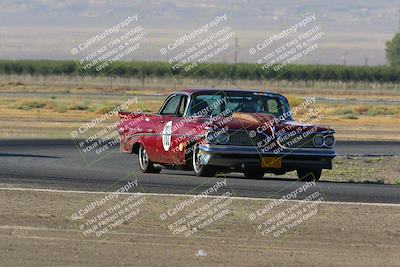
[{"x": 187, "y": 195}]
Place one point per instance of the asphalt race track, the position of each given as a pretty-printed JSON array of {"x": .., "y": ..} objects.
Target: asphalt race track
[{"x": 57, "y": 164}]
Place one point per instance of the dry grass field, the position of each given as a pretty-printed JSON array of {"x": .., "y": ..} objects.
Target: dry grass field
[{"x": 37, "y": 111}]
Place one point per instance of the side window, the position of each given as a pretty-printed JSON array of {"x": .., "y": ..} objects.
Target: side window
[
  {"x": 182, "y": 106},
  {"x": 172, "y": 106}
]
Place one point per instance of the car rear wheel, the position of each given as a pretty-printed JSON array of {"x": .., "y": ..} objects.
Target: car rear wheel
[
  {"x": 146, "y": 166},
  {"x": 200, "y": 169},
  {"x": 254, "y": 173},
  {"x": 309, "y": 175}
]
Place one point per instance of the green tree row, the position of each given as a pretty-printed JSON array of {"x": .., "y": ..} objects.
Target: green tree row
[{"x": 209, "y": 71}]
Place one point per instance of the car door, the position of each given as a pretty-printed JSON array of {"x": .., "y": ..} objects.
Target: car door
[{"x": 165, "y": 142}]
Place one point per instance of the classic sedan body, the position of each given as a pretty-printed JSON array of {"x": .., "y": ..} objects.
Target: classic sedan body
[{"x": 212, "y": 131}]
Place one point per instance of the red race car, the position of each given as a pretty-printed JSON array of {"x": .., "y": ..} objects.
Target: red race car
[{"x": 210, "y": 131}]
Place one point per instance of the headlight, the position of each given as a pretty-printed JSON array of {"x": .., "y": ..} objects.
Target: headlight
[
  {"x": 217, "y": 137},
  {"x": 329, "y": 140},
  {"x": 222, "y": 138},
  {"x": 318, "y": 141},
  {"x": 210, "y": 137}
]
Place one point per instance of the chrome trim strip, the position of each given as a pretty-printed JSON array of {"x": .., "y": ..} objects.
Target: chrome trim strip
[
  {"x": 246, "y": 150},
  {"x": 153, "y": 134}
]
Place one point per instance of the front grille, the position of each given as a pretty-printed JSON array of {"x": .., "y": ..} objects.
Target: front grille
[
  {"x": 296, "y": 141},
  {"x": 242, "y": 138},
  {"x": 290, "y": 140}
]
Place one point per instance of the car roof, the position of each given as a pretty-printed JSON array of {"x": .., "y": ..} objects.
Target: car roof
[{"x": 191, "y": 91}]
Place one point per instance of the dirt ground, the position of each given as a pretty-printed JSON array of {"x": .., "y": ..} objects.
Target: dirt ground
[
  {"x": 378, "y": 170},
  {"x": 43, "y": 229}
]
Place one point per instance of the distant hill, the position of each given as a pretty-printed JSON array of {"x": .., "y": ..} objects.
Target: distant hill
[{"x": 50, "y": 28}]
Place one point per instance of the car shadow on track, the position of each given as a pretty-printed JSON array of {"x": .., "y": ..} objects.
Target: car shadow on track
[
  {"x": 27, "y": 155},
  {"x": 277, "y": 179}
]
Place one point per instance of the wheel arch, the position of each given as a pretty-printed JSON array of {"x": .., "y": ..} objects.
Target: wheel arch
[
  {"x": 189, "y": 150},
  {"x": 135, "y": 148}
]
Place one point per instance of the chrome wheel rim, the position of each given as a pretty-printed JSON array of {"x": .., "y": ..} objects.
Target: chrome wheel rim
[
  {"x": 143, "y": 158},
  {"x": 196, "y": 160}
]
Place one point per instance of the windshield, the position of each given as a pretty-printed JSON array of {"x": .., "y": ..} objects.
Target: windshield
[{"x": 211, "y": 104}]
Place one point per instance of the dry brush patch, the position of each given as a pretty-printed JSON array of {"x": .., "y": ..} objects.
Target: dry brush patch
[{"x": 379, "y": 170}]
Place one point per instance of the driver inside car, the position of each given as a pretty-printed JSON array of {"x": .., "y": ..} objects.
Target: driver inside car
[{"x": 250, "y": 107}]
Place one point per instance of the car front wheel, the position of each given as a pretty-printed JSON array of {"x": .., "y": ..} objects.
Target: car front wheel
[
  {"x": 309, "y": 175},
  {"x": 200, "y": 169},
  {"x": 146, "y": 166}
]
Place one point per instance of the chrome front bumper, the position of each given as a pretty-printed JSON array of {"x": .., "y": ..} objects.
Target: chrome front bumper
[{"x": 250, "y": 156}]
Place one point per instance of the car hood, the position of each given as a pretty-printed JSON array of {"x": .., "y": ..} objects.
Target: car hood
[{"x": 259, "y": 122}]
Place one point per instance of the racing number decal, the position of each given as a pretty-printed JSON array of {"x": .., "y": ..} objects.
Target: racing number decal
[{"x": 166, "y": 135}]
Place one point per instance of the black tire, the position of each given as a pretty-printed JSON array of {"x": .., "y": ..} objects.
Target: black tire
[
  {"x": 198, "y": 168},
  {"x": 254, "y": 173},
  {"x": 145, "y": 165},
  {"x": 309, "y": 175}
]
